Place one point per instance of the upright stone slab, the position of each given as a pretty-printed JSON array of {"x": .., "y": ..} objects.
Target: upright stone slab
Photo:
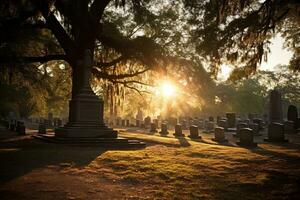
[
  {"x": 255, "y": 128},
  {"x": 289, "y": 127},
  {"x": 231, "y": 118},
  {"x": 223, "y": 123},
  {"x": 211, "y": 119},
  {"x": 147, "y": 121},
  {"x": 42, "y": 128},
  {"x": 200, "y": 124},
  {"x": 178, "y": 131},
  {"x": 276, "y": 133},
  {"x": 127, "y": 123},
  {"x": 123, "y": 122},
  {"x": 292, "y": 115},
  {"x": 260, "y": 123},
  {"x": 164, "y": 129},
  {"x": 22, "y": 129},
  {"x": 246, "y": 138},
  {"x": 137, "y": 123},
  {"x": 153, "y": 127},
  {"x": 194, "y": 133},
  {"x": 275, "y": 107},
  {"x": 220, "y": 135},
  {"x": 239, "y": 126}
]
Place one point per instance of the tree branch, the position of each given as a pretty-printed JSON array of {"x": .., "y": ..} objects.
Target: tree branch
[
  {"x": 108, "y": 76},
  {"x": 111, "y": 63},
  {"x": 97, "y": 9},
  {"x": 33, "y": 59}
]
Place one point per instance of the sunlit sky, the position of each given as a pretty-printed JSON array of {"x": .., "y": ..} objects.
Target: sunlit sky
[{"x": 278, "y": 56}]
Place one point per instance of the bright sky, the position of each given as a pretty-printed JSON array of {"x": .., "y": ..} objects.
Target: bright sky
[{"x": 278, "y": 55}]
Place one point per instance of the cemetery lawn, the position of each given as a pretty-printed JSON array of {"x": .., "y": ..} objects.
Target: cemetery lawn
[{"x": 168, "y": 168}]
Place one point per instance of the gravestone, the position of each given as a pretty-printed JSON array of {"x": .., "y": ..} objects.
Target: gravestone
[
  {"x": 209, "y": 126},
  {"x": 123, "y": 122},
  {"x": 22, "y": 129},
  {"x": 137, "y": 123},
  {"x": 239, "y": 126},
  {"x": 153, "y": 127},
  {"x": 164, "y": 129},
  {"x": 219, "y": 118},
  {"x": 276, "y": 133},
  {"x": 178, "y": 131},
  {"x": 155, "y": 121},
  {"x": 147, "y": 121},
  {"x": 275, "y": 107},
  {"x": 59, "y": 122},
  {"x": 220, "y": 135},
  {"x": 223, "y": 123},
  {"x": 289, "y": 127},
  {"x": 255, "y": 128},
  {"x": 139, "y": 115},
  {"x": 292, "y": 115},
  {"x": 183, "y": 124},
  {"x": 42, "y": 128},
  {"x": 118, "y": 121},
  {"x": 230, "y": 120},
  {"x": 246, "y": 138},
  {"x": 194, "y": 133},
  {"x": 211, "y": 118},
  {"x": 260, "y": 123},
  {"x": 127, "y": 123},
  {"x": 172, "y": 121},
  {"x": 200, "y": 124},
  {"x": 12, "y": 125}
]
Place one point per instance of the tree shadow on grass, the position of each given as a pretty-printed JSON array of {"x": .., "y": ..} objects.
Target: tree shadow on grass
[{"x": 19, "y": 157}]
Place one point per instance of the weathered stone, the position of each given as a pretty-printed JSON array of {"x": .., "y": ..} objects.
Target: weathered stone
[
  {"x": 276, "y": 133},
  {"x": 239, "y": 126},
  {"x": 59, "y": 122},
  {"x": 292, "y": 115},
  {"x": 200, "y": 124},
  {"x": 223, "y": 123},
  {"x": 194, "y": 133},
  {"x": 178, "y": 131},
  {"x": 220, "y": 135},
  {"x": 172, "y": 121},
  {"x": 255, "y": 128},
  {"x": 22, "y": 129},
  {"x": 164, "y": 129},
  {"x": 42, "y": 128},
  {"x": 123, "y": 122},
  {"x": 275, "y": 107},
  {"x": 155, "y": 121},
  {"x": 127, "y": 123},
  {"x": 153, "y": 128},
  {"x": 246, "y": 138},
  {"x": 260, "y": 123},
  {"x": 230, "y": 120},
  {"x": 289, "y": 127},
  {"x": 147, "y": 121},
  {"x": 137, "y": 123},
  {"x": 211, "y": 119}
]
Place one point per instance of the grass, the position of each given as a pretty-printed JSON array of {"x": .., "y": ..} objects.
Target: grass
[{"x": 169, "y": 168}]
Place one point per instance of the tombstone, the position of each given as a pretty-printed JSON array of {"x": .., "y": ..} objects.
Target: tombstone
[
  {"x": 178, "y": 131},
  {"x": 223, "y": 123},
  {"x": 211, "y": 119},
  {"x": 246, "y": 138},
  {"x": 292, "y": 115},
  {"x": 12, "y": 125},
  {"x": 230, "y": 120},
  {"x": 18, "y": 126},
  {"x": 22, "y": 129},
  {"x": 250, "y": 116},
  {"x": 123, "y": 122},
  {"x": 118, "y": 121},
  {"x": 155, "y": 121},
  {"x": 137, "y": 123},
  {"x": 289, "y": 127},
  {"x": 153, "y": 127},
  {"x": 147, "y": 121},
  {"x": 259, "y": 122},
  {"x": 139, "y": 115},
  {"x": 183, "y": 124},
  {"x": 127, "y": 123},
  {"x": 255, "y": 128},
  {"x": 194, "y": 133},
  {"x": 164, "y": 129},
  {"x": 209, "y": 127},
  {"x": 276, "y": 133},
  {"x": 172, "y": 121},
  {"x": 42, "y": 128},
  {"x": 50, "y": 119},
  {"x": 200, "y": 124},
  {"x": 239, "y": 126},
  {"x": 220, "y": 135},
  {"x": 59, "y": 122},
  {"x": 275, "y": 107}
]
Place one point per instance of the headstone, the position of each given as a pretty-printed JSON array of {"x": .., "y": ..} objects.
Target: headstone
[
  {"x": 200, "y": 124},
  {"x": 118, "y": 121},
  {"x": 211, "y": 118},
  {"x": 127, "y": 123},
  {"x": 183, "y": 124},
  {"x": 276, "y": 133},
  {"x": 218, "y": 120},
  {"x": 260, "y": 123},
  {"x": 275, "y": 107},
  {"x": 292, "y": 115},
  {"x": 147, "y": 121},
  {"x": 194, "y": 133},
  {"x": 178, "y": 131},
  {"x": 209, "y": 127},
  {"x": 22, "y": 129},
  {"x": 289, "y": 127},
  {"x": 164, "y": 129},
  {"x": 230, "y": 120},
  {"x": 223, "y": 123},
  {"x": 50, "y": 119},
  {"x": 255, "y": 128},
  {"x": 123, "y": 122},
  {"x": 137, "y": 123},
  {"x": 239, "y": 126},
  {"x": 153, "y": 128},
  {"x": 172, "y": 121},
  {"x": 220, "y": 135},
  {"x": 155, "y": 121},
  {"x": 246, "y": 138},
  {"x": 140, "y": 115},
  {"x": 42, "y": 128}
]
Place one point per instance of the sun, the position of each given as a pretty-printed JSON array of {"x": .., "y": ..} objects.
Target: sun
[{"x": 167, "y": 89}]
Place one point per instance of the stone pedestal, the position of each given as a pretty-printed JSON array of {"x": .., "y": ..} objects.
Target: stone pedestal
[
  {"x": 178, "y": 131},
  {"x": 246, "y": 138},
  {"x": 276, "y": 133},
  {"x": 239, "y": 126},
  {"x": 220, "y": 135},
  {"x": 194, "y": 133},
  {"x": 289, "y": 127},
  {"x": 164, "y": 129}
]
